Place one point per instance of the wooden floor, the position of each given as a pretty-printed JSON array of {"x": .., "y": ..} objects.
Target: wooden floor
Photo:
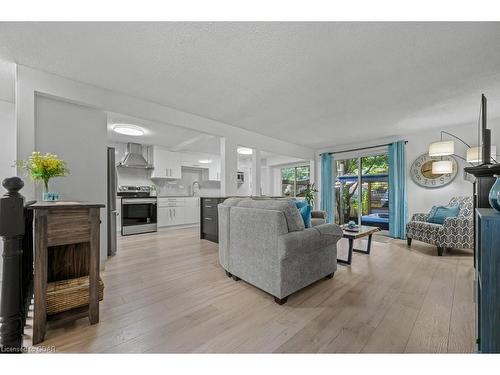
[{"x": 165, "y": 292}]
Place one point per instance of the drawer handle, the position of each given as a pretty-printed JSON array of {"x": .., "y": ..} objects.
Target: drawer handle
[
  {"x": 208, "y": 218},
  {"x": 208, "y": 206}
]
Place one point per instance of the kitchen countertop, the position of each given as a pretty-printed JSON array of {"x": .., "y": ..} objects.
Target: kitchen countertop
[
  {"x": 175, "y": 196},
  {"x": 238, "y": 196}
]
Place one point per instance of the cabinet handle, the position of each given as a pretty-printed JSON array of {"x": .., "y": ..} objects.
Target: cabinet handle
[
  {"x": 208, "y": 218},
  {"x": 208, "y": 206},
  {"x": 174, "y": 212}
]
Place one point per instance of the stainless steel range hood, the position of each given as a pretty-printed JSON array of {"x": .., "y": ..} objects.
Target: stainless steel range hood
[{"x": 134, "y": 158}]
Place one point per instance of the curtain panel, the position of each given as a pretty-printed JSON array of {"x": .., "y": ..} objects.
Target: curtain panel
[
  {"x": 398, "y": 210},
  {"x": 327, "y": 190}
]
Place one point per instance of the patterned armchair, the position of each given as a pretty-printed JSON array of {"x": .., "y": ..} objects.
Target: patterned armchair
[{"x": 455, "y": 233}]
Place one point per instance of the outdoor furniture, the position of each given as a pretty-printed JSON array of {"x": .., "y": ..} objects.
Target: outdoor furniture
[
  {"x": 455, "y": 232},
  {"x": 363, "y": 231}
]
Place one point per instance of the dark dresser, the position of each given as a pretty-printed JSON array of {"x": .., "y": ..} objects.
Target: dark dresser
[
  {"x": 487, "y": 280},
  {"x": 209, "y": 224}
]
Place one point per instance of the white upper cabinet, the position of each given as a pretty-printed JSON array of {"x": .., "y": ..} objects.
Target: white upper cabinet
[{"x": 166, "y": 164}]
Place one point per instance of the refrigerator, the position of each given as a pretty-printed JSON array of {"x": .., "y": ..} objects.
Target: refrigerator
[{"x": 111, "y": 212}]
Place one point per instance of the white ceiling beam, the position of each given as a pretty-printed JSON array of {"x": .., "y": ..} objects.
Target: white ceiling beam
[{"x": 191, "y": 141}]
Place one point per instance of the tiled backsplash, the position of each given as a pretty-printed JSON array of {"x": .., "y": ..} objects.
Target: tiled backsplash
[{"x": 183, "y": 187}]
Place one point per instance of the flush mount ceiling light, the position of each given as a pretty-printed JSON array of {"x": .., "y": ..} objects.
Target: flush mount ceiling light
[
  {"x": 245, "y": 151},
  {"x": 205, "y": 161},
  {"x": 127, "y": 129}
]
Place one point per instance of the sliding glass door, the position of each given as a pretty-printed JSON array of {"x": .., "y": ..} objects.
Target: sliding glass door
[
  {"x": 347, "y": 190},
  {"x": 361, "y": 191}
]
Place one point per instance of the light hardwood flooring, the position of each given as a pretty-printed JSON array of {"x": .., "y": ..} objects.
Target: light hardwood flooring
[{"x": 165, "y": 292}]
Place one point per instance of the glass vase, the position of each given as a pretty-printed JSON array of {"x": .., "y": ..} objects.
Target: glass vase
[
  {"x": 494, "y": 195},
  {"x": 49, "y": 196}
]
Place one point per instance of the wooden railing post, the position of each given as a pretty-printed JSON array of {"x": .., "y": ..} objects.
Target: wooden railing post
[{"x": 12, "y": 229}]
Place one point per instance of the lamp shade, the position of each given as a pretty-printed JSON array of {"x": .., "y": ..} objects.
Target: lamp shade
[
  {"x": 474, "y": 154},
  {"x": 442, "y": 148},
  {"x": 442, "y": 167}
]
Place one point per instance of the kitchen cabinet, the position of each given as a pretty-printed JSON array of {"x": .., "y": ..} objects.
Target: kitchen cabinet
[
  {"x": 166, "y": 164},
  {"x": 192, "y": 210},
  {"x": 209, "y": 222},
  {"x": 178, "y": 211}
]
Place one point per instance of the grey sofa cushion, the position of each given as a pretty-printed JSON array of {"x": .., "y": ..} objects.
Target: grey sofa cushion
[{"x": 292, "y": 215}]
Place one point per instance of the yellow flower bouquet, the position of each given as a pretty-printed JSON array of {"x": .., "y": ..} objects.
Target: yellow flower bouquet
[{"x": 44, "y": 167}]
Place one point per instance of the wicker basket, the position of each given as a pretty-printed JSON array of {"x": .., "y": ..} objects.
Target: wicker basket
[{"x": 68, "y": 294}]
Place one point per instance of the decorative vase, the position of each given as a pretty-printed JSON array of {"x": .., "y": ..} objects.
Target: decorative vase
[
  {"x": 49, "y": 196},
  {"x": 494, "y": 195}
]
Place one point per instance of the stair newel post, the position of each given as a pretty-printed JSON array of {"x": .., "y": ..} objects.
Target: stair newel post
[{"x": 12, "y": 228}]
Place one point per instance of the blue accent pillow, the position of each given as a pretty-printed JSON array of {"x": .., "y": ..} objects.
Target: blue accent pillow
[
  {"x": 439, "y": 213},
  {"x": 305, "y": 211}
]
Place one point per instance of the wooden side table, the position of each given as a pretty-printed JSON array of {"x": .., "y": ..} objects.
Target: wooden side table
[{"x": 66, "y": 246}]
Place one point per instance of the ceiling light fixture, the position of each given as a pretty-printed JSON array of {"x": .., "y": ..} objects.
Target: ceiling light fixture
[
  {"x": 127, "y": 129},
  {"x": 205, "y": 161},
  {"x": 245, "y": 151}
]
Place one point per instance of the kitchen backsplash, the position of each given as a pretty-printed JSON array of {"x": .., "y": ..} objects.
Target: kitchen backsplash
[{"x": 182, "y": 187}]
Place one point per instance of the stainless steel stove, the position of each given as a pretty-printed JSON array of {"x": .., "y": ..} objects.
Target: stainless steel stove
[{"x": 139, "y": 210}]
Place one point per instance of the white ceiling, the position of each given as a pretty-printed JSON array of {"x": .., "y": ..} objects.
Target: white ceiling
[
  {"x": 314, "y": 84},
  {"x": 7, "y": 80},
  {"x": 172, "y": 137}
]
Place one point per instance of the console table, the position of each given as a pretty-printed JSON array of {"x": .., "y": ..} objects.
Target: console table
[{"x": 66, "y": 248}]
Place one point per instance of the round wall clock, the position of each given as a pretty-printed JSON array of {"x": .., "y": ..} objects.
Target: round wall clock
[{"x": 421, "y": 171}]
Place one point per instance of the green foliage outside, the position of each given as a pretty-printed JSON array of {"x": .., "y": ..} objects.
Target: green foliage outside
[{"x": 347, "y": 192}]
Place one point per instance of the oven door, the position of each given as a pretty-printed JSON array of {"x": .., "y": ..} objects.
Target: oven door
[{"x": 138, "y": 215}]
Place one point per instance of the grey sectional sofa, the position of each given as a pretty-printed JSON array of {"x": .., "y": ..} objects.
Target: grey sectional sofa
[{"x": 264, "y": 242}]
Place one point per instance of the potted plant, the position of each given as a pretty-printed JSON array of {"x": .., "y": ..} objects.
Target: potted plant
[
  {"x": 42, "y": 168},
  {"x": 309, "y": 194}
]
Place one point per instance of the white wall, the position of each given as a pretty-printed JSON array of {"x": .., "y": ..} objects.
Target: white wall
[
  {"x": 76, "y": 134},
  {"x": 7, "y": 149},
  {"x": 421, "y": 199},
  {"x": 7, "y": 140},
  {"x": 245, "y": 166}
]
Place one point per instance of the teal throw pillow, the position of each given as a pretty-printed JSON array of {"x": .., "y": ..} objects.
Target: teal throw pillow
[{"x": 439, "y": 213}]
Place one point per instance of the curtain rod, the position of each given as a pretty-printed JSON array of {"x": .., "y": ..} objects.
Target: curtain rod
[{"x": 357, "y": 149}]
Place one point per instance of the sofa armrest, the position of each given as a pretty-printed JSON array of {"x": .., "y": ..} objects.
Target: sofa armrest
[
  {"x": 458, "y": 222},
  {"x": 332, "y": 230},
  {"x": 308, "y": 240},
  {"x": 419, "y": 217},
  {"x": 318, "y": 215}
]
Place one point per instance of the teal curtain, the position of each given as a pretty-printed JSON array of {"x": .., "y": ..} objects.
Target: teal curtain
[
  {"x": 397, "y": 190},
  {"x": 327, "y": 192}
]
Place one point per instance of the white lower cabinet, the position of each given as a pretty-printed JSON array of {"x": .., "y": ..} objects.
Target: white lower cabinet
[
  {"x": 192, "y": 210},
  {"x": 178, "y": 211}
]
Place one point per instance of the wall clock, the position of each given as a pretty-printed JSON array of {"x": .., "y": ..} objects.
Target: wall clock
[{"x": 421, "y": 171}]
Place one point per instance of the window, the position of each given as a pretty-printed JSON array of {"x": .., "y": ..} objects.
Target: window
[{"x": 295, "y": 180}]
